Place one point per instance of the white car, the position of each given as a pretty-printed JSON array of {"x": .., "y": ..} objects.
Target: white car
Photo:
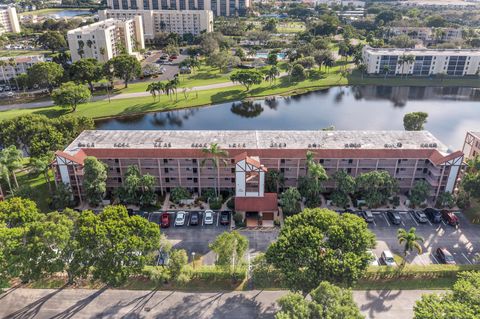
[
  {"x": 388, "y": 259},
  {"x": 180, "y": 219},
  {"x": 373, "y": 260},
  {"x": 208, "y": 217}
]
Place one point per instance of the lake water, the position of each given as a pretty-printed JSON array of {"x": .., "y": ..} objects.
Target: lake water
[
  {"x": 452, "y": 111},
  {"x": 69, "y": 13}
]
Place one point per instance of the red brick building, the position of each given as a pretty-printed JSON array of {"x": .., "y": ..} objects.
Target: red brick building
[{"x": 175, "y": 158}]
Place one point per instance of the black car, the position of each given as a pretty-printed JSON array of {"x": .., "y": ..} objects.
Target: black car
[
  {"x": 394, "y": 217},
  {"x": 194, "y": 218},
  {"x": 224, "y": 218},
  {"x": 433, "y": 215}
]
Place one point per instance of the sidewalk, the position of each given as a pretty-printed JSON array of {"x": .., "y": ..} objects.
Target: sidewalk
[{"x": 119, "y": 96}]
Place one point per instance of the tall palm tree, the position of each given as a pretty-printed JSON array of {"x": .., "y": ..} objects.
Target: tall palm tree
[
  {"x": 175, "y": 83},
  {"x": 13, "y": 64},
  {"x": 385, "y": 70},
  {"x": 2, "y": 66},
  {"x": 4, "y": 174},
  {"x": 42, "y": 165},
  {"x": 329, "y": 62},
  {"x": 272, "y": 74},
  {"x": 216, "y": 157},
  {"x": 153, "y": 89},
  {"x": 11, "y": 158},
  {"x": 410, "y": 240},
  {"x": 89, "y": 45}
]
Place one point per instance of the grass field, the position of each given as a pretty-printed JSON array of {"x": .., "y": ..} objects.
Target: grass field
[
  {"x": 49, "y": 11},
  {"x": 38, "y": 187},
  {"x": 290, "y": 27},
  {"x": 12, "y": 53}
]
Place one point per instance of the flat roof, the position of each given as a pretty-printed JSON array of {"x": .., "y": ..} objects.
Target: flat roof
[
  {"x": 197, "y": 139},
  {"x": 436, "y": 52}
]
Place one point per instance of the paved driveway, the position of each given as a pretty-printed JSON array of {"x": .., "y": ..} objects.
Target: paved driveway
[{"x": 127, "y": 304}]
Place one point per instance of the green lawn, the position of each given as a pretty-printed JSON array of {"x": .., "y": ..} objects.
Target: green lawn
[
  {"x": 290, "y": 27},
  {"x": 48, "y": 11},
  {"x": 204, "y": 76},
  {"x": 12, "y": 53}
]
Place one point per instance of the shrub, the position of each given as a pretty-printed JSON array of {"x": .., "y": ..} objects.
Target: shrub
[
  {"x": 179, "y": 193},
  {"x": 238, "y": 218},
  {"x": 231, "y": 203},
  {"x": 216, "y": 203},
  {"x": 208, "y": 194},
  {"x": 157, "y": 274},
  {"x": 396, "y": 201}
]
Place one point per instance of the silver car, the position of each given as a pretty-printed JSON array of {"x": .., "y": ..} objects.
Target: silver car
[
  {"x": 180, "y": 219},
  {"x": 208, "y": 217}
]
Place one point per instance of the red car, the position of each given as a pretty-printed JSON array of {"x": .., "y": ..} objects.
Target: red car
[
  {"x": 173, "y": 57},
  {"x": 165, "y": 220},
  {"x": 449, "y": 218}
]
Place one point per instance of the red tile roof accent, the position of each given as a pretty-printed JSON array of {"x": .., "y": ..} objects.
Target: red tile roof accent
[
  {"x": 268, "y": 203},
  {"x": 438, "y": 158},
  {"x": 77, "y": 158}
]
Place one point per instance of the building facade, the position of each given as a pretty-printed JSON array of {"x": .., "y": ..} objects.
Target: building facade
[
  {"x": 171, "y": 21},
  {"x": 175, "y": 158},
  {"x": 471, "y": 145},
  {"x": 428, "y": 35},
  {"x": 15, "y": 66},
  {"x": 425, "y": 61},
  {"x": 9, "y": 20},
  {"x": 219, "y": 7},
  {"x": 107, "y": 39}
]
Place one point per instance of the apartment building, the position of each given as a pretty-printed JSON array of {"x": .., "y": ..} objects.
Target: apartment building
[
  {"x": 428, "y": 35},
  {"x": 106, "y": 39},
  {"x": 425, "y": 61},
  {"x": 219, "y": 7},
  {"x": 175, "y": 158},
  {"x": 14, "y": 66},
  {"x": 9, "y": 20},
  {"x": 471, "y": 145},
  {"x": 171, "y": 21}
]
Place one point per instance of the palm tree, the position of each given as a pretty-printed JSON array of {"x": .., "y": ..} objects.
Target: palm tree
[
  {"x": 329, "y": 62},
  {"x": 42, "y": 165},
  {"x": 272, "y": 74},
  {"x": 153, "y": 89},
  {"x": 405, "y": 59},
  {"x": 194, "y": 63},
  {"x": 175, "y": 82},
  {"x": 216, "y": 156},
  {"x": 12, "y": 63},
  {"x": 80, "y": 50},
  {"x": 2, "y": 65},
  {"x": 410, "y": 240},
  {"x": 362, "y": 68},
  {"x": 89, "y": 45},
  {"x": 11, "y": 158},
  {"x": 385, "y": 70},
  {"x": 6, "y": 176}
]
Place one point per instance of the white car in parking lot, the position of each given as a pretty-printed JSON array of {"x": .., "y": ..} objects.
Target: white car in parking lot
[
  {"x": 387, "y": 258},
  {"x": 180, "y": 219},
  {"x": 208, "y": 217}
]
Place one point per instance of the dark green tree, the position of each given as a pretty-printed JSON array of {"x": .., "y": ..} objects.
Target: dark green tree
[
  {"x": 344, "y": 187},
  {"x": 274, "y": 180},
  {"x": 45, "y": 74},
  {"x": 230, "y": 248},
  {"x": 125, "y": 67},
  {"x": 319, "y": 244},
  {"x": 52, "y": 40},
  {"x": 414, "y": 121},
  {"x": 86, "y": 71},
  {"x": 94, "y": 180},
  {"x": 290, "y": 201},
  {"x": 247, "y": 78},
  {"x": 462, "y": 302},
  {"x": 70, "y": 95},
  {"x": 376, "y": 187},
  {"x": 327, "y": 301},
  {"x": 419, "y": 192}
]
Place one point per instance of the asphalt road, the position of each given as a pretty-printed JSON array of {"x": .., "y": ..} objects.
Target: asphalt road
[{"x": 128, "y": 304}]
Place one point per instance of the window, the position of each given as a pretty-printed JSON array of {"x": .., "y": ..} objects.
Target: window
[
  {"x": 232, "y": 170},
  {"x": 165, "y": 161},
  {"x": 282, "y": 161},
  {"x": 350, "y": 161},
  {"x": 119, "y": 180},
  {"x": 349, "y": 170},
  {"x": 165, "y": 169},
  {"x": 321, "y": 161},
  {"x": 116, "y": 160},
  {"x": 194, "y": 160},
  {"x": 118, "y": 169},
  {"x": 195, "y": 170}
]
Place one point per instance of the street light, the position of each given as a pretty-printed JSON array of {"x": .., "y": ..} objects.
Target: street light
[{"x": 193, "y": 259}]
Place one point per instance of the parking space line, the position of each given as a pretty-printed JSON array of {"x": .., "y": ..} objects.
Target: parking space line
[
  {"x": 467, "y": 259},
  {"x": 386, "y": 219},
  {"x": 434, "y": 258},
  {"x": 414, "y": 220},
  {"x": 218, "y": 217},
  {"x": 402, "y": 223},
  {"x": 428, "y": 220},
  {"x": 187, "y": 217}
]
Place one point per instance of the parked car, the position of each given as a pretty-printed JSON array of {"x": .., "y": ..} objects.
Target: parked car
[
  {"x": 225, "y": 218},
  {"x": 445, "y": 256},
  {"x": 194, "y": 218},
  {"x": 208, "y": 217},
  {"x": 185, "y": 70},
  {"x": 180, "y": 219},
  {"x": 373, "y": 260},
  {"x": 433, "y": 215},
  {"x": 387, "y": 258},
  {"x": 419, "y": 216},
  {"x": 367, "y": 215},
  {"x": 449, "y": 218},
  {"x": 394, "y": 217},
  {"x": 155, "y": 217},
  {"x": 165, "y": 220}
]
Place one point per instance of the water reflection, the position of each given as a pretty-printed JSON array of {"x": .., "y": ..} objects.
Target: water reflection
[
  {"x": 247, "y": 109},
  {"x": 452, "y": 111}
]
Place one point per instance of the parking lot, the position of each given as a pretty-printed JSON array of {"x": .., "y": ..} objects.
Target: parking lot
[
  {"x": 196, "y": 238},
  {"x": 462, "y": 241}
]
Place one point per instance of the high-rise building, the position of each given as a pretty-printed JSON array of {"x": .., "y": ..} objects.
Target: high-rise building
[
  {"x": 219, "y": 7},
  {"x": 9, "y": 20},
  {"x": 171, "y": 21},
  {"x": 106, "y": 39}
]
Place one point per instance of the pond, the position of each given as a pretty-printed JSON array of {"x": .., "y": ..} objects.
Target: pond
[
  {"x": 264, "y": 55},
  {"x": 452, "y": 111},
  {"x": 68, "y": 13}
]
